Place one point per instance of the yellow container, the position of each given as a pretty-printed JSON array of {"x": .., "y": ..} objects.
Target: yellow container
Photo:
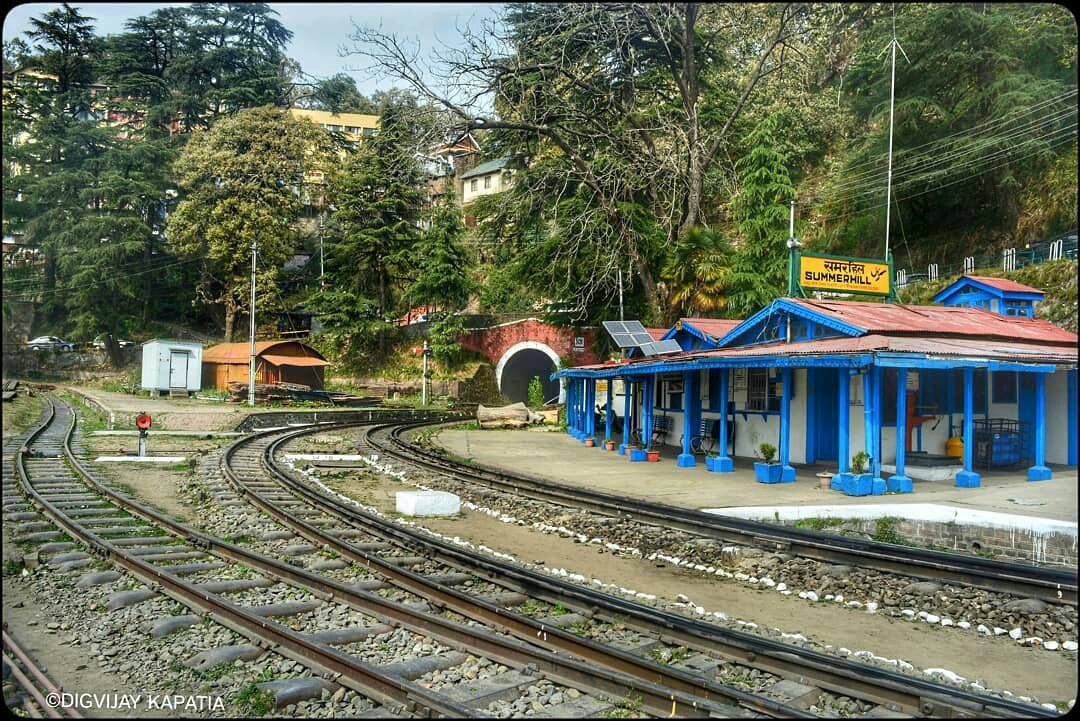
[{"x": 955, "y": 447}]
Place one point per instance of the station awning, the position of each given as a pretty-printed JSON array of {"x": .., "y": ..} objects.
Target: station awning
[{"x": 293, "y": 360}]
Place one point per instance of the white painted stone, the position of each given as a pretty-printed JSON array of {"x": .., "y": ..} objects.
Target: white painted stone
[
  {"x": 1049, "y": 706},
  {"x": 781, "y": 586},
  {"x": 1032, "y": 641},
  {"x": 944, "y": 672},
  {"x": 923, "y": 615},
  {"x": 839, "y": 598},
  {"x": 854, "y": 604},
  {"x": 983, "y": 630},
  {"x": 828, "y": 597},
  {"x": 1069, "y": 645},
  {"x": 427, "y": 503},
  {"x": 843, "y": 651},
  {"x": 742, "y": 577},
  {"x": 802, "y": 594},
  {"x": 907, "y": 613},
  {"x": 139, "y": 459},
  {"x": 931, "y": 618},
  {"x": 947, "y": 622},
  {"x": 811, "y": 596},
  {"x": 1051, "y": 645},
  {"x": 681, "y": 598},
  {"x": 1016, "y": 633},
  {"x": 999, "y": 631},
  {"x": 963, "y": 624},
  {"x": 768, "y": 582},
  {"x": 871, "y": 606}
]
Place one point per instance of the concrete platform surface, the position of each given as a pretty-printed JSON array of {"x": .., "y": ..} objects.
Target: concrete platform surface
[{"x": 563, "y": 459}]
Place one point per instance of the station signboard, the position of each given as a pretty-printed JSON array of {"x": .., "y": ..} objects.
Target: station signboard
[{"x": 840, "y": 274}]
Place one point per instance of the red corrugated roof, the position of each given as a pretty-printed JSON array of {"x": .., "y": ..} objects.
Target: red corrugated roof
[
  {"x": 938, "y": 321},
  {"x": 1009, "y": 286},
  {"x": 712, "y": 327},
  {"x": 657, "y": 333}
]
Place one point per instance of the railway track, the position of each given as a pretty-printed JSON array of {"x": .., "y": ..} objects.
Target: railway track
[
  {"x": 164, "y": 554},
  {"x": 38, "y": 695},
  {"x": 1052, "y": 585},
  {"x": 798, "y": 675}
]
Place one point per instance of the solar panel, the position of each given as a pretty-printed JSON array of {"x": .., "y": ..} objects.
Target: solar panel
[
  {"x": 627, "y": 333},
  {"x": 661, "y": 347}
]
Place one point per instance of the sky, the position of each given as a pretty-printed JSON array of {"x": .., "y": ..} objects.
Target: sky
[{"x": 319, "y": 29}]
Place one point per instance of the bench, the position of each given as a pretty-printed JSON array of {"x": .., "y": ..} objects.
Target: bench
[
  {"x": 707, "y": 436},
  {"x": 661, "y": 427}
]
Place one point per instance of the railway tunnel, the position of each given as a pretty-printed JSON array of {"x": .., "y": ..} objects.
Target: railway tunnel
[{"x": 523, "y": 362}]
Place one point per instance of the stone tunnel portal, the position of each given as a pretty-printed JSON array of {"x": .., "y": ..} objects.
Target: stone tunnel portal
[{"x": 520, "y": 365}]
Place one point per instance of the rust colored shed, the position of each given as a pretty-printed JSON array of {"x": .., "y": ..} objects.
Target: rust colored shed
[{"x": 277, "y": 361}]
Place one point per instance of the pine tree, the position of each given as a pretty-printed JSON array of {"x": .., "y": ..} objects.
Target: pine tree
[{"x": 759, "y": 268}]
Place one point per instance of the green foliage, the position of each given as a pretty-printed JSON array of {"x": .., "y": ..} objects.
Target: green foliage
[
  {"x": 442, "y": 278},
  {"x": 885, "y": 532},
  {"x": 444, "y": 336},
  {"x": 768, "y": 452},
  {"x": 858, "y": 462},
  {"x": 536, "y": 393},
  {"x": 696, "y": 273},
  {"x": 759, "y": 268},
  {"x": 239, "y": 179}
]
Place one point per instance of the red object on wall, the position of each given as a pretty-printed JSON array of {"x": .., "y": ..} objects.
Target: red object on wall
[
  {"x": 911, "y": 420},
  {"x": 143, "y": 421}
]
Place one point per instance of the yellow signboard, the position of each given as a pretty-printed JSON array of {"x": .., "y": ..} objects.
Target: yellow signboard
[{"x": 844, "y": 275}]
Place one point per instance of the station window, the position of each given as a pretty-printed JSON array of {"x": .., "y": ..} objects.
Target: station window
[
  {"x": 1003, "y": 386},
  {"x": 761, "y": 391},
  {"x": 474, "y": 184},
  {"x": 487, "y": 181}
]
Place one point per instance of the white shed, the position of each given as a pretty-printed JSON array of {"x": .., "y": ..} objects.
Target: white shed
[{"x": 171, "y": 366}]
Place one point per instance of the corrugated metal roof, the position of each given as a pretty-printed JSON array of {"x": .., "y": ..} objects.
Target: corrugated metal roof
[
  {"x": 1009, "y": 286},
  {"x": 293, "y": 360},
  {"x": 657, "y": 333},
  {"x": 938, "y": 321},
  {"x": 241, "y": 352},
  {"x": 489, "y": 167},
  {"x": 713, "y": 327}
]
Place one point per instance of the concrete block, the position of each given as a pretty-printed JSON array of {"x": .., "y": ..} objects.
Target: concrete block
[
  {"x": 1039, "y": 473},
  {"x": 967, "y": 479},
  {"x": 427, "y": 503},
  {"x": 877, "y": 487}
]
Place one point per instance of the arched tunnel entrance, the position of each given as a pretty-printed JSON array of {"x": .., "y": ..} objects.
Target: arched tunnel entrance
[{"x": 520, "y": 365}]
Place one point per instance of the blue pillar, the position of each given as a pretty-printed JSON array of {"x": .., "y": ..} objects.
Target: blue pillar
[
  {"x": 723, "y": 463},
  {"x": 628, "y": 395},
  {"x": 607, "y": 411},
  {"x": 647, "y": 411},
  {"x": 898, "y": 481},
  {"x": 577, "y": 408},
  {"x": 689, "y": 400},
  {"x": 1071, "y": 410},
  {"x": 1040, "y": 471},
  {"x": 968, "y": 478},
  {"x": 570, "y": 418},
  {"x": 843, "y": 423},
  {"x": 787, "y": 473},
  {"x": 868, "y": 413},
  {"x": 878, "y": 384},
  {"x": 590, "y": 408}
]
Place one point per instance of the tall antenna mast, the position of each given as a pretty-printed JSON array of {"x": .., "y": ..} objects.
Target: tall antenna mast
[{"x": 893, "y": 44}]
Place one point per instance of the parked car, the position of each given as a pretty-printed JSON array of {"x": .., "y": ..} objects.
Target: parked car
[
  {"x": 99, "y": 342},
  {"x": 50, "y": 342}
]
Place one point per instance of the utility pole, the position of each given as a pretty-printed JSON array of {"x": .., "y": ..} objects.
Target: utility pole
[
  {"x": 793, "y": 245},
  {"x": 251, "y": 363},
  {"x": 423, "y": 379},
  {"x": 893, "y": 45}
]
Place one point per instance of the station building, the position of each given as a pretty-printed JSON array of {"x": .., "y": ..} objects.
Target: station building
[{"x": 974, "y": 383}]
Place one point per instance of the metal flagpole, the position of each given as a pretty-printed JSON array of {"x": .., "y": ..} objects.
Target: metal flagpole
[{"x": 251, "y": 362}]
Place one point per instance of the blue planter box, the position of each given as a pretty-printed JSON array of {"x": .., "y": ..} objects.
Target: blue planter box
[
  {"x": 860, "y": 485},
  {"x": 710, "y": 463},
  {"x": 638, "y": 454},
  {"x": 877, "y": 487},
  {"x": 768, "y": 472},
  {"x": 836, "y": 483}
]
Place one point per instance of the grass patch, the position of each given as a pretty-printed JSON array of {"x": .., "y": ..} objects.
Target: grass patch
[
  {"x": 20, "y": 414},
  {"x": 818, "y": 524},
  {"x": 254, "y": 702},
  {"x": 12, "y": 567},
  {"x": 885, "y": 532}
]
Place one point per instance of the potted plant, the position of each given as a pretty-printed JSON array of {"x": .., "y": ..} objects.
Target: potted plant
[
  {"x": 590, "y": 442},
  {"x": 767, "y": 472},
  {"x": 652, "y": 456},
  {"x": 825, "y": 480},
  {"x": 861, "y": 482},
  {"x": 609, "y": 445}
]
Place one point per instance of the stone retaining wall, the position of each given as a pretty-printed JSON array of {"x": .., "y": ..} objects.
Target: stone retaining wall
[
  {"x": 260, "y": 421},
  {"x": 1004, "y": 544}
]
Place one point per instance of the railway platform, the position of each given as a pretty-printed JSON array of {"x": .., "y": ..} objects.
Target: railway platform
[{"x": 563, "y": 459}]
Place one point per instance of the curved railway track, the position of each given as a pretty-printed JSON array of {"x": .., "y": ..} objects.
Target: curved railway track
[
  {"x": 147, "y": 545},
  {"x": 1053, "y": 585},
  {"x": 248, "y": 460},
  {"x": 39, "y": 695}
]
